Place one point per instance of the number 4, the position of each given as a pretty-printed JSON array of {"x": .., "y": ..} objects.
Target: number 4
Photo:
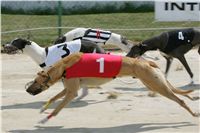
[
  {"x": 101, "y": 64},
  {"x": 180, "y": 36}
]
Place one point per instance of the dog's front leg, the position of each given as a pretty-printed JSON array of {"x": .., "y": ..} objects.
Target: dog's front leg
[
  {"x": 169, "y": 62},
  {"x": 59, "y": 95},
  {"x": 70, "y": 93},
  {"x": 46, "y": 105},
  {"x": 55, "y": 112},
  {"x": 185, "y": 64}
]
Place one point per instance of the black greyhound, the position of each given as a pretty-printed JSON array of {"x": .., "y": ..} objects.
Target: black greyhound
[{"x": 173, "y": 43}]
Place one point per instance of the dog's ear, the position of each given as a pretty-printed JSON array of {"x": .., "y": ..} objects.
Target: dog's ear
[
  {"x": 25, "y": 41},
  {"x": 134, "y": 52},
  {"x": 143, "y": 44},
  {"x": 42, "y": 74}
]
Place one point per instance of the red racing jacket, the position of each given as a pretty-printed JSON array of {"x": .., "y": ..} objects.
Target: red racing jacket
[{"x": 95, "y": 65}]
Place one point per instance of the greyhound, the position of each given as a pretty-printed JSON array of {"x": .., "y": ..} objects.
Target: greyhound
[
  {"x": 82, "y": 70},
  {"x": 101, "y": 37},
  {"x": 95, "y": 36},
  {"x": 173, "y": 43},
  {"x": 45, "y": 57}
]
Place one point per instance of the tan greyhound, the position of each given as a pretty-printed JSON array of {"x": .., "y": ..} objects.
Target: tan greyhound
[{"x": 147, "y": 71}]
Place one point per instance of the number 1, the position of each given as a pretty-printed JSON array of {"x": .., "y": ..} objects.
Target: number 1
[{"x": 101, "y": 63}]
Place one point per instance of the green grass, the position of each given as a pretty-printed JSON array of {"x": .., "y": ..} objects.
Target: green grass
[{"x": 103, "y": 21}]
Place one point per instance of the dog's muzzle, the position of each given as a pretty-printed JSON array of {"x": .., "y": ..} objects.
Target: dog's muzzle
[
  {"x": 9, "y": 49},
  {"x": 29, "y": 88}
]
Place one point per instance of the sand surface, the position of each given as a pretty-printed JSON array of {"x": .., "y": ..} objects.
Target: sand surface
[{"x": 132, "y": 112}]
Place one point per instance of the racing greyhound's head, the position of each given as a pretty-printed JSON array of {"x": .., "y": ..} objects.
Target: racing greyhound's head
[
  {"x": 137, "y": 50},
  {"x": 41, "y": 83},
  {"x": 15, "y": 45}
]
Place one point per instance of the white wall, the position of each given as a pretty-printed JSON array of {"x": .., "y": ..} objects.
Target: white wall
[{"x": 177, "y": 11}]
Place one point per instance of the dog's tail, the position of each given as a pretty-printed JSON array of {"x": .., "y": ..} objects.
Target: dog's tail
[
  {"x": 179, "y": 91},
  {"x": 175, "y": 90}
]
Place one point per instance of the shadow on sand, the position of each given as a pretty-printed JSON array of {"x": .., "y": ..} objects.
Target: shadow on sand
[
  {"x": 185, "y": 87},
  {"x": 131, "y": 89},
  {"x": 131, "y": 128},
  {"x": 38, "y": 105},
  {"x": 190, "y": 87},
  {"x": 79, "y": 104}
]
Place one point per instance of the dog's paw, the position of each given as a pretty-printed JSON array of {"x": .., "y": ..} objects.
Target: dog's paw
[
  {"x": 195, "y": 98},
  {"x": 78, "y": 99},
  {"x": 43, "y": 121},
  {"x": 152, "y": 94},
  {"x": 196, "y": 114}
]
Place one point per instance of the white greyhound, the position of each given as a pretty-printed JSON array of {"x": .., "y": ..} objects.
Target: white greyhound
[{"x": 100, "y": 37}]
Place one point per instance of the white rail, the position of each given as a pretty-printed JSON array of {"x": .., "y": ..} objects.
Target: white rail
[{"x": 112, "y": 29}]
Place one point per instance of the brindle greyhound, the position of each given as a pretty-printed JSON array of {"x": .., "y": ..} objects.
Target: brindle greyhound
[
  {"x": 174, "y": 43},
  {"x": 147, "y": 71}
]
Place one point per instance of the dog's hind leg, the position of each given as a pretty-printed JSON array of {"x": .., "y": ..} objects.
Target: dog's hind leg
[
  {"x": 164, "y": 90},
  {"x": 182, "y": 103},
  {"x": 91, "y": 47},
  {"x": 83, "y": 94},
  {"x": 156, "y": 81}
]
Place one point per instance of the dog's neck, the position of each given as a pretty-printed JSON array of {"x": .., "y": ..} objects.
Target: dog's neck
[
  {"x": 36, "y": 52},
  {"x": 196, "y": 40}
]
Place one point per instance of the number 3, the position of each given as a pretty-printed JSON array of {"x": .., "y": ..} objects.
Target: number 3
[
  {"x": 101, "y": 64},
  {"x": 180, "y": 36}
]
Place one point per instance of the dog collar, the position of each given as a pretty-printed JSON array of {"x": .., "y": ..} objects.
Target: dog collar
[{"x": 43, "y": 64}]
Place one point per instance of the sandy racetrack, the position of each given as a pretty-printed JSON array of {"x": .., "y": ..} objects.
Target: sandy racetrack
[{"x": 132, "y": 112}]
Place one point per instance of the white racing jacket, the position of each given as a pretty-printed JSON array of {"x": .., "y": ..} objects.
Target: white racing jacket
[
  {"x": 98, "y": 36},
  {"x": 59, "y": 51},
  {"x": 94, "y": 35}
]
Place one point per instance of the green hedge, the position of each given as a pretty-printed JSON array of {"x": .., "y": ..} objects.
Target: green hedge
[{"x": 128, "y": 7}]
